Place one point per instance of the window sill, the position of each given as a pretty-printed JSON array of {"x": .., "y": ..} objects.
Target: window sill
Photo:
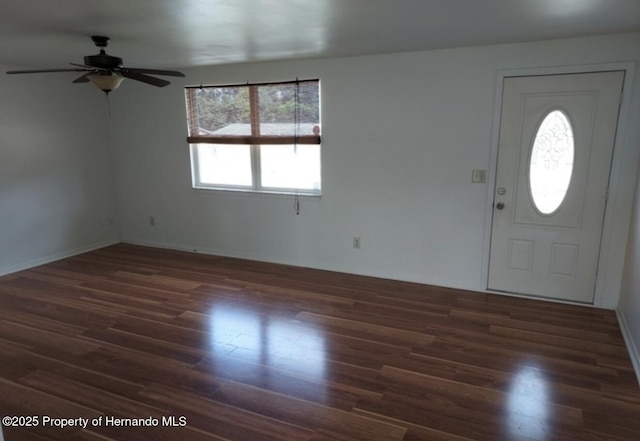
[{"x": 249, "y": 191}]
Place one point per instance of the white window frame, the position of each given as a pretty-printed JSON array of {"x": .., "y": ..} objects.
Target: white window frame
[{"x": 255, "y": 144}]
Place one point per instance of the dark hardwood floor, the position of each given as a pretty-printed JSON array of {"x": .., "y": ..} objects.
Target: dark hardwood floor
[{"x": 244, "y": 351}]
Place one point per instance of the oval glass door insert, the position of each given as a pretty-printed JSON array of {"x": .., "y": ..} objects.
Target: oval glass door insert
[{"x": 551, "y": 164}]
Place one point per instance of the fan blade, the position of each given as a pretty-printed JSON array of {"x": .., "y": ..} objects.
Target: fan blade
[
  {"x": 12, "y": 72},
  {"x": 83, "y": 79},
  {"x": 87, "y": 67},
  {"x": 144, "y": 78},
  {"x": 169, "y": 73}
]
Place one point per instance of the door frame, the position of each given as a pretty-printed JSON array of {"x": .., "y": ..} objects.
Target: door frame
[{"x": 624, "y": 164}]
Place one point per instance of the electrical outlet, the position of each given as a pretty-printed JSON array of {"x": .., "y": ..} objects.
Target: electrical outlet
[
  {"x": 356, "y": 243},
  {"x": 152, "y": 221},
  {"x": 479, "y": 176}
]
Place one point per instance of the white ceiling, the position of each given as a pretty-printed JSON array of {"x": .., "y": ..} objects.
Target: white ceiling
[{"x": 183, "y": 33}]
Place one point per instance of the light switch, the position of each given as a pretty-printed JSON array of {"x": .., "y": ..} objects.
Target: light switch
[{"x": 479, "y": 176}]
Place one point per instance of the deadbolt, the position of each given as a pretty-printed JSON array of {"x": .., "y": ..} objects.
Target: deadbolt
[{"x": 502, "y": 191}]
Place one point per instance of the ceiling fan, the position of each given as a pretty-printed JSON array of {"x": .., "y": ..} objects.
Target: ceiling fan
[{"x": 107, "y": 71}]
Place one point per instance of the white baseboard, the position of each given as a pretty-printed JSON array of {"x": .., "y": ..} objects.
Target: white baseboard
[
  {"x": 58, "y": 256},
  {"x": 632, "y": 346}
]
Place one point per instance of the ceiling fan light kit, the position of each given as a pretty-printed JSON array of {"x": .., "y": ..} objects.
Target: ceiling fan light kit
[
  {"x": 105, "y": 82},
  {"x": 107, "y": 71}
]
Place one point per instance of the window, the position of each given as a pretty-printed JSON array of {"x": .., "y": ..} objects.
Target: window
[
  {"x": 551, "y": 163},
  {"x": 255, "y": 137}
]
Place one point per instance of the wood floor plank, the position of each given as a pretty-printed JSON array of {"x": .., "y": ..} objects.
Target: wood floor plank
[
  {"x": 187, "y": 354},
  {"x": 254, "y": 351},
  {"x": 537, "y": 327},
  {"x": 31, "y": 362},
  {"x": 561, "y": 341},
  {"x": 228, "y": 420},
  {"x": 301, "y": 384},
  {"x": 307, "y": 414},
  {"x": 20, "y": 400},
  {"x": 41, "y": 339},
  {"x": 486, "y": 398},
  {"x": 42, "y": 323},
  {"x": 143, "y": 369},
  {"x": 415, "y": 432},
  {"x": 90, "y": 396},
  {"x": 385, "y": 334}
]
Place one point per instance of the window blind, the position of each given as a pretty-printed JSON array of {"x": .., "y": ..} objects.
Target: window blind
[{"x": 255, "y": 114}]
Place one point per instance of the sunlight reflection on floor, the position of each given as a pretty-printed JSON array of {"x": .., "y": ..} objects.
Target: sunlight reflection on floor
[
  {"x": 528, "y": 404},
  {"x": 268, "y": 341}
]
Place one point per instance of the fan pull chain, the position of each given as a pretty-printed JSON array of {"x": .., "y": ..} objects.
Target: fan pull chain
[
  {"x": 295, "y": 139},
  {"x": 106, "y": 97},
  {"x": 296, "y": 110}
]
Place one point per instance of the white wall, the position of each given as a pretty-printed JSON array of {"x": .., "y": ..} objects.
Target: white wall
[
  {"x": 56, "y": 185},
  {"x": 401, "y": 135},
  {"x": 629, "y": 307}
]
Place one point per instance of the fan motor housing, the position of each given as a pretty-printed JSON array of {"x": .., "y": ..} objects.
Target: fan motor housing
[{"x": 103, "y": 61}]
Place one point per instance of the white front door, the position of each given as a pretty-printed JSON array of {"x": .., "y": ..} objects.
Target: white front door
[{"x": 554, "y": 156}]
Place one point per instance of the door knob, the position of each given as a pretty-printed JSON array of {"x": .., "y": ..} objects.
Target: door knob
[{"x": 500, "y": 205}]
